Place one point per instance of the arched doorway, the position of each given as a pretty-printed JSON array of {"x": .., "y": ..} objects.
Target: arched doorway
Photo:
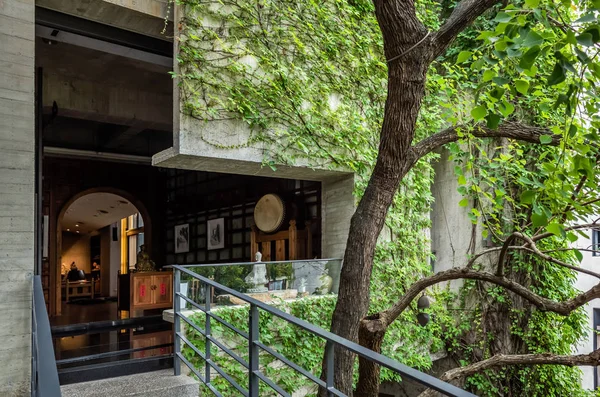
[{"x": 99, "y": 230}]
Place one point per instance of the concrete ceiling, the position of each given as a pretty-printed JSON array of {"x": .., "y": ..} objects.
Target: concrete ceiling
[{"x": 95, "y": 211}]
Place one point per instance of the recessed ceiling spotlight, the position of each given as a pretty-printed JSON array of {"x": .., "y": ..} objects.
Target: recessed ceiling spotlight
[
  {"x": 68, "y": 230},
  {"x": 77, "y": 225},
  {"x": 77, "y": 231}
]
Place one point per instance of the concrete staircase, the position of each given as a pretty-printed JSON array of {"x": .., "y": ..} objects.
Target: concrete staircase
[{"x": 150, "y": 384}]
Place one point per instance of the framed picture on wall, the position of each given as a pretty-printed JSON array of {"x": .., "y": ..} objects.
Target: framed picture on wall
[
  {"x": 182, "y": 238},
  {"x": 216, "y": 233}
]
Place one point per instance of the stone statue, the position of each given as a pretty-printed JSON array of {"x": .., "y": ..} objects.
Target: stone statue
[
  {"x": 144, "y": 264},
  {"x": 258, "y": 276}
]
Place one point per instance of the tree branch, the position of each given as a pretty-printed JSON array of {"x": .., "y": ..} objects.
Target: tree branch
[
  {"x": 499, "y": 360},
  {"x": 462, "y": 16},
  {"x": 509, "y": 129},
  {"x": 544, "y": 304},
  {"x": 535, "y": 250}
]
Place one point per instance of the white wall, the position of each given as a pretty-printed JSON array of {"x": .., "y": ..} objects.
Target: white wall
[{"x": 584, "y": 283}]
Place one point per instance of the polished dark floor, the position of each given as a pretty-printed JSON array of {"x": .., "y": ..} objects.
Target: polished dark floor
[
  {"x": 86, "y": 312},
  {"x": 92, "y": 337}
]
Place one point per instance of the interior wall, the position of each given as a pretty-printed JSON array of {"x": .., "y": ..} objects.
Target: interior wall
[
  {"x": 76, "y": 249},
  {"x": 65, "y": 178},
  {"x": 115, "y": 259},
  {"x": 195, "y": 197}
]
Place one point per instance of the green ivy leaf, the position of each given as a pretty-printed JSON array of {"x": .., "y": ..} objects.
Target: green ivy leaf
[
  {"x": 587, "y": 18},
  {"x": 539, "y": 220},
  {"x": 545, "y": 139},
  {"x": 578, "y": 255},
  {"x": 557, "y": 76},
  {"x": 532, "y": 3},
  {"x": 533, "y": 39},
  {"x": 464, "y": 202},
  {"x": 493, "y": 120},
  {"x": 463, "y": 56},
  {"x": 522, "y": 86},
  {"x": 556, "y": 229},
  {"x": 527, "y": 196},
  {"x": 478, "y": 113},
  {"x": 585, "y": 39},
  {"x": 528, "y": 59},
  {"x": 503, "y": 17}
]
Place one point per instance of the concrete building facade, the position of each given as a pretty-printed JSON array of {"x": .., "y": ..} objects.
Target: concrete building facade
[{"x": 108, "y": 81}]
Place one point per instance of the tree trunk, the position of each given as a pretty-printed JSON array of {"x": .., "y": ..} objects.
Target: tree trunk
[
  {"x": 370, "y": 335},
  {"x": 406, "y": 87}
]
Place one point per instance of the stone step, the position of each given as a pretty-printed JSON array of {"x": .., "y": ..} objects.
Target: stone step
[{"x": 150, "y": 384}]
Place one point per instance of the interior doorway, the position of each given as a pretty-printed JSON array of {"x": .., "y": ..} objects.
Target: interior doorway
[{"x": 99, "y": 233}]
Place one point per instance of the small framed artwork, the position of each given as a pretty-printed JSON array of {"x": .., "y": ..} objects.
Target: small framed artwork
[
  {"x": 216, "y": 233},
  {"x": 182, "y": 238}
]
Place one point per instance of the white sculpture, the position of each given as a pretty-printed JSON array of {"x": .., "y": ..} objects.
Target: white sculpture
[
  {"x": 258, "y": 276},
  {"x": 302, "y": 286}
]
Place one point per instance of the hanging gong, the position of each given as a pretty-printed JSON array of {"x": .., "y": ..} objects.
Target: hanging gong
[{"x": 269, "y": 213}]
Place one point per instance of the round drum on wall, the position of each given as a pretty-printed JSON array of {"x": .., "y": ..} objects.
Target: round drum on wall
[{"x": 269, "y": 213}]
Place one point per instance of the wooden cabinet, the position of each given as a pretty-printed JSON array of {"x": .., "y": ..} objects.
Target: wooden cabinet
[{"x": 145, "y": 291}]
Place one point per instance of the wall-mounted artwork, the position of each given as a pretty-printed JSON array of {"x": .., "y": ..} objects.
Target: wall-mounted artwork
[
  {"x": 216, "y": 233},
  {"x": 182, "y": 238}
]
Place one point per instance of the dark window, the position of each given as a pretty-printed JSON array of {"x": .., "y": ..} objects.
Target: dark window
[{"x": 595, "y": 242}]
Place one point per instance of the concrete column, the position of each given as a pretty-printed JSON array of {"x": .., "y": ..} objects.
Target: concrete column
[
  {"x": 17, "y": 147},
  {"x": 338, "y": 206}
]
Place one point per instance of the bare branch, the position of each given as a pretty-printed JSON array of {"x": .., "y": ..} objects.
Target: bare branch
[
  {"x": 509, "y": 129},
  {"x": 535, "y": 250},
  {"x": 542, "y": 236},
  {"x": 544, "y": 304},
  {"x": 463, "y": 15},
  {"x": 499, "y": 360}
]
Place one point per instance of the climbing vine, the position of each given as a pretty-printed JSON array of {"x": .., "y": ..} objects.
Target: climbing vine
[{"x": 307, "y": 80}]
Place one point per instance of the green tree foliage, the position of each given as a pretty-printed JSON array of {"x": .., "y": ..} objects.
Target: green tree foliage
[{"x": 309, "y": 79}]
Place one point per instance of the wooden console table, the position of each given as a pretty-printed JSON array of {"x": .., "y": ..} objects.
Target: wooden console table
[
  {"x": 79, "y": 289},
  {"x": 145, "y": 291}
]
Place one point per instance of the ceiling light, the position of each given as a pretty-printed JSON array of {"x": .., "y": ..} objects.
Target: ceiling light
[
  {"x": 77, "y": 231},
  {"x": 77, "y": 225},
  {"x": 68, "y": 230}
]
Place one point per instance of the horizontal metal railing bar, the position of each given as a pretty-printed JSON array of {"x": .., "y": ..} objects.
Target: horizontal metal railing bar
[
  {"x": 217, "y": 318},
  {"x": 191, "y": 345},
  {"x": 252, "y": 263},
  {"x": 187, "y": 320},
  {"x": 213, "y": 365},
  {"x": 103, "y": 326},
  {"x": 230, "y": 326},
  {"x": 215, "y": 391},
  {"x": 109, "y": 354},
  {"x": 227, "y": 377},
  {"x": 290, "y": 364},
  {"x": 271, "y": 384},
  {"x": 411, "y": 373},
  {"x": 191, "y": 367},
  {"x": 231, "y": 353}
]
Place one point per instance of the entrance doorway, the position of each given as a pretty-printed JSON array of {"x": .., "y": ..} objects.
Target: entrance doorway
[{"x": 98, "y": 236}]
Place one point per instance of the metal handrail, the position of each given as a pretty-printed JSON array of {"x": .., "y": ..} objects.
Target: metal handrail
[
  {"x": 255, "y": 346},
  {"x": 44, "y": 375},
  {"x": 251, "y": 263}
]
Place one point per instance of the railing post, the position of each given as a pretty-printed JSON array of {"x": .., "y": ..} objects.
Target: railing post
[
  {"x": 329, "y": 362},
  {"x": 207, "y": 299},
  {"x": 254, "y": 336},
  {"x": 176, "y": 321}
]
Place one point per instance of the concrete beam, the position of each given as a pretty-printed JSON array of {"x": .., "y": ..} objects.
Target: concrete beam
[{"x": 145, "y": 17}]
